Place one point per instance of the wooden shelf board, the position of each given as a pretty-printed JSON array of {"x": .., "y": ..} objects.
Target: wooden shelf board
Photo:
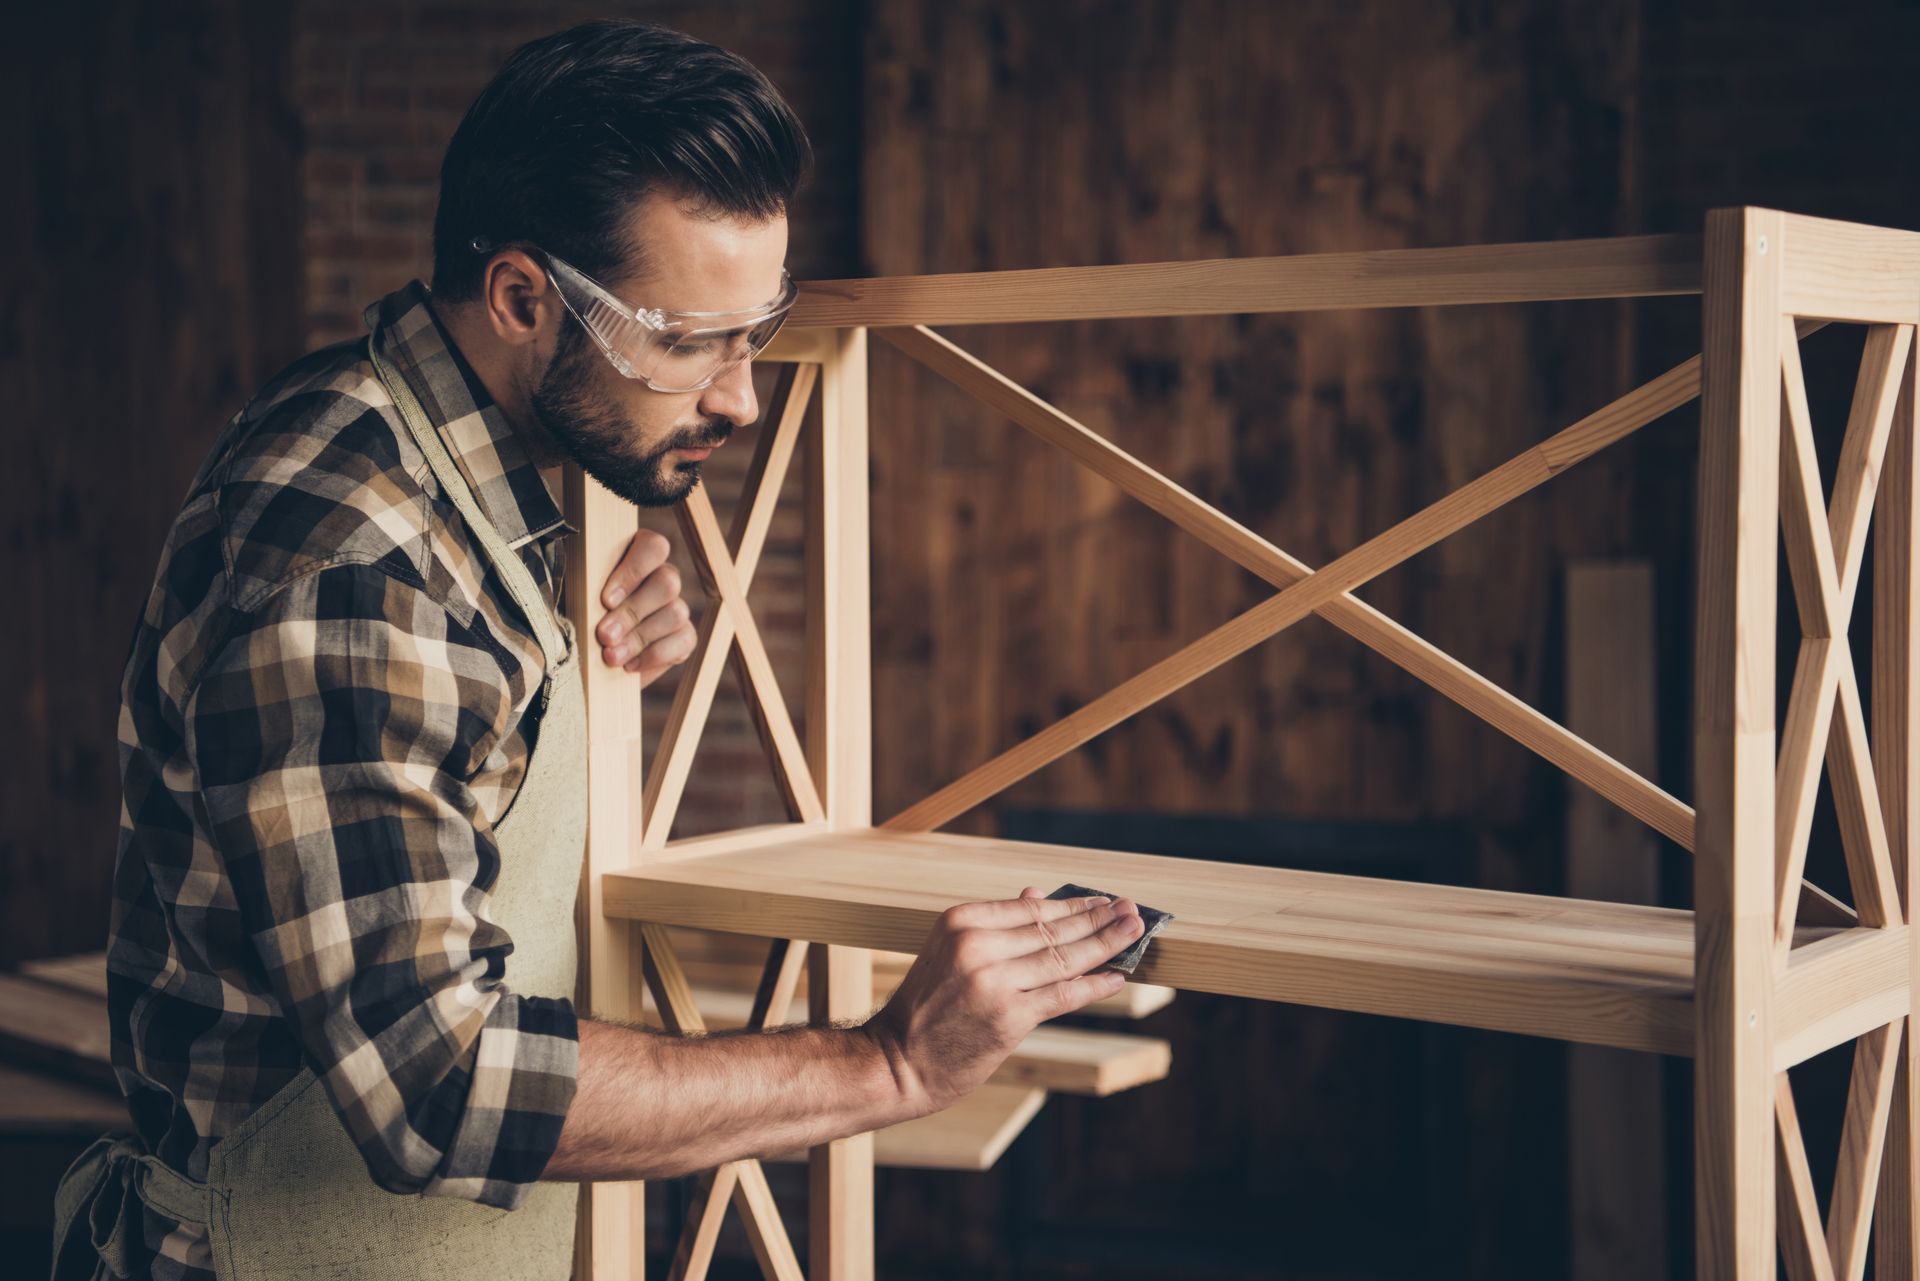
[{"x": 1568, "y": 969}]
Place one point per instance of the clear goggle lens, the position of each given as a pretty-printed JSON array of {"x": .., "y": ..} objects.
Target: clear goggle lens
[{"x": 670, "y": 351}]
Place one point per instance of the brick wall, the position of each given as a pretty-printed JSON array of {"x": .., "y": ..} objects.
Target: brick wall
[{"x": 380, "y": 88}]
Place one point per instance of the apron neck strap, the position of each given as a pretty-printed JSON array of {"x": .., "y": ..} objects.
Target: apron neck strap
[{"x": 520, "y": 585}]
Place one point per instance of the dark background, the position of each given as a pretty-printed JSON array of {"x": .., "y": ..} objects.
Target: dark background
[{"x": 200, "y": 190}]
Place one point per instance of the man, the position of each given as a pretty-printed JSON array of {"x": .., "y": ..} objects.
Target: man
[{"x": 353, "y": 766}]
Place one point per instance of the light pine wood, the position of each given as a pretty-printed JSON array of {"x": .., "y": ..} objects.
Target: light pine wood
[
  {"x": 1896, "y": 759},
  {"x": 1733, "y": 865},
  {"x": 1613, "y": 974},
  {"x": 1838, "y": 987},
  {"x": 673, "y": 998},
  {"x": 758, "y": 688},
  {"x": 611, "y": 1241},
  {"x": 707, "y": 1206},
  {"x": 714, "y": 645},
  {"x": 1802, "y": 1241},
  {"x": 1847, "y": 271},
  {"x": 1766, "y": 972},
  {"x": 839, "y": 749},
  {"x": 1626, "y": 267},
  {"x": 1825, "y": 677},
  {"x": 1857, "y": 1171}
]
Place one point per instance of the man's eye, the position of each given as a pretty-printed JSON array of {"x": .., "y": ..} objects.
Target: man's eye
[{"x": 690, "y": 347}]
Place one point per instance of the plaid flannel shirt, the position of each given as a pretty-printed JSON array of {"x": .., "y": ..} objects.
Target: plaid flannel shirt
[{"x": 324, "y": 711}]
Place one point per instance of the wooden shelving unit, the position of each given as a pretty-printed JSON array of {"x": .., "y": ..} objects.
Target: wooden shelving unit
[{"x": 1765, "y": 972}]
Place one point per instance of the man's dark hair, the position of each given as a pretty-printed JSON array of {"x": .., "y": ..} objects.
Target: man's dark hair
[{"x": 579, "y": 125}]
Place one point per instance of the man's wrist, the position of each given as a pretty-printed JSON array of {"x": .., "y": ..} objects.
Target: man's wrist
[{"x": 905, "y": 1098}]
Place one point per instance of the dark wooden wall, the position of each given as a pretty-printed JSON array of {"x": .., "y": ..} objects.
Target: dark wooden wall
[{"x": 150, "y": 268}]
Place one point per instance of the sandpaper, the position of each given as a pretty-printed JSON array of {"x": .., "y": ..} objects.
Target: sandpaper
[{"x": 1152, "y": 917}]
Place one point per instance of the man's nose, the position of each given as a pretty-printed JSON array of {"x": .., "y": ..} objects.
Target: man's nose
[{"x": 731, "y": 396}]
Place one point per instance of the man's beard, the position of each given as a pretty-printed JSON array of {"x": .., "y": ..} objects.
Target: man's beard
[{"x": 598, "y": 436}]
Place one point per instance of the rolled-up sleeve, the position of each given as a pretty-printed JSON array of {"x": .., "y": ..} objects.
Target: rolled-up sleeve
[{"x": 334, "y": 736}]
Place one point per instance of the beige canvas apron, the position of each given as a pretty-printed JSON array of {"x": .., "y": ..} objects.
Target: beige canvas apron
[{"x": 287, "y": 1194}]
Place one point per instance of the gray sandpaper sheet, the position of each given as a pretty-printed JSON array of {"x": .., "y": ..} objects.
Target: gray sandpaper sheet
[{"x": 1152, "y": 917}]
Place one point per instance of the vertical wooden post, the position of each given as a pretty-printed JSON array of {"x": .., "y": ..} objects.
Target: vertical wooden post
[
  {"x": 839, "y": 722},
  {"x": 611, "y": 1241},
  {"x": 1734, "y": 746},
  {"x": 1896, "y": 757}
]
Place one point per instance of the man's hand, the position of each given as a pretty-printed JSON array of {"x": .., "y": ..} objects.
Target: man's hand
[
  {"x": 989, "y": 973},
  {"x": 648, "y": 627}
]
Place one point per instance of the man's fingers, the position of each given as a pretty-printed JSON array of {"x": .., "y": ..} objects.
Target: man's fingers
[
  {"x": 1052, "y": 963},
  {"x": 674, "y": 618},
  {"x": 660, "y": 591},
  {"x": 646, "y": 552},
  {"x": 675, "y": 647},
  {"x": 1069, "y": 995},
  {"x": 1002, "y": 914},
  {"x": 1037, "y": 937}
]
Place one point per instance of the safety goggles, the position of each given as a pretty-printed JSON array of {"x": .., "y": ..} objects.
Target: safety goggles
[{"x": 669, "y": 351}]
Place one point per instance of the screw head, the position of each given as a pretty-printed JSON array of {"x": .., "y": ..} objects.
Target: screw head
[{"x": 1762, "y": 246}]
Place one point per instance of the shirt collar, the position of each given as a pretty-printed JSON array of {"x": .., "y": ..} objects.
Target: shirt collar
[{"x": 508, "y": 487}]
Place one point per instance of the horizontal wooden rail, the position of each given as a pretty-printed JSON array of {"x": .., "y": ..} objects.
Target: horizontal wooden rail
[{"x": 1623, "y": 267}]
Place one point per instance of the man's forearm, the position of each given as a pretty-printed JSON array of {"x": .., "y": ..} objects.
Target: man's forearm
[{"x": 650, "y": 1105}]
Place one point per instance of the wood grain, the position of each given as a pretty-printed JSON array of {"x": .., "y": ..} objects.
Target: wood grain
[{"x": 1620, "y": 267}]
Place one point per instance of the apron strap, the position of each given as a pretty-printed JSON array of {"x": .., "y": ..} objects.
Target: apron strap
[
  {"x": 512, "y": 569},
  {"x": 97, "y": 1227}
]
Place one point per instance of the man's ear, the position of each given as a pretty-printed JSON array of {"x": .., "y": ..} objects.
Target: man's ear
[{"x": 517, "y": 293}]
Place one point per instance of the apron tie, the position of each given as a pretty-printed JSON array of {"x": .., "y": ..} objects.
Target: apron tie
[{"x": 97, "y": 1227}]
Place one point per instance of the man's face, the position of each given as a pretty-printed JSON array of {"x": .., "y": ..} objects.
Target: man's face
[{"x": 644, "y": 445}]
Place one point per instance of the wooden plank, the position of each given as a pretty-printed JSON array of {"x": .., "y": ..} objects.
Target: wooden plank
[
  {"x": 1802, "y": 1241},
  {"x": 1624, "y": 267},
  {"x": 34, "y": 1103},
  {"x": 55, "y": 1028},
  {"x": 674, "y": 999},
  {"x": 1848, "y": 271},
  {"x": 1896, "y": 760},
  {"x": 1837, "y": 988},
  {"x": 693, "y": 698},
  {"x": 839, "y": 749},
  {"x": 1600, "y": 973},
  {"x": 758, "y": 686},
  {"x": 1733, "y": 866},
  {"x": 1617, "y": 1195},
  {"x": 81, "y": 972},
  {"x": 611, "y": 1243},
  {"x": 1863, "y": 449},
  {"x": 1857, "y": 1170}
]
